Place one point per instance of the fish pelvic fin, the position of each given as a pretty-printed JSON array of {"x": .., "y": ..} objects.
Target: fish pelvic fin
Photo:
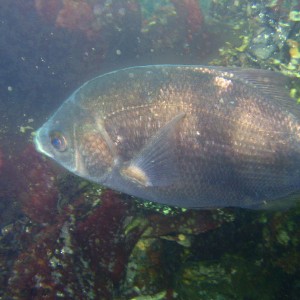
[{"x": 155, "y": 165}]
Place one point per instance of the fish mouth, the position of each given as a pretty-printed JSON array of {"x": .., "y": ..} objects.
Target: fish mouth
[{"x": 38, "y": 142}]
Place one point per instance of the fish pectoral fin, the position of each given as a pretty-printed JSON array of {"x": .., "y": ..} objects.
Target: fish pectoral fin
[{"x": 156, "y": 165}]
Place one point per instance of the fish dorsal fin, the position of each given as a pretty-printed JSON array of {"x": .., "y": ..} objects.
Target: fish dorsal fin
[
  {"x": 155, "y": 165},
  {"x": 272, "y": 84}
]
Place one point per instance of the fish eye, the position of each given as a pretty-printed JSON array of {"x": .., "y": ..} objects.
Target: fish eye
[{"x": 58, "y": 141}]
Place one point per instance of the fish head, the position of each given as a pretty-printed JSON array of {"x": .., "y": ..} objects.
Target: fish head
[{"x": 77, "y": 141}]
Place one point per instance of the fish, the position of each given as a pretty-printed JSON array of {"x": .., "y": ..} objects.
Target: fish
[{"x": 188, "y": 136}]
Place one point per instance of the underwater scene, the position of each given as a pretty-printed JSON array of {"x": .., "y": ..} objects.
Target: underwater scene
[{"x": 150, "y": 149}]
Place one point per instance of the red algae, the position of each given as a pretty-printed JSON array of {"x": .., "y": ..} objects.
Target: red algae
[
  {"x": 48, "y": 9},
  {"x": 76, "y": 254},
  {"x": 38, "y": 193},
  {"x": 194, "y": 222},
  {"x": 90, "y": 17},
  {"x": 108, "y": 21},
  {"x": 102, "y": 237},
  {"x": 31, "y": 277},
  {"x": 75, "y": 15},
  {"x": 85, "y": 249},
  {"x": 1, "y": 160},
  {"x": 189, "y": 11}
]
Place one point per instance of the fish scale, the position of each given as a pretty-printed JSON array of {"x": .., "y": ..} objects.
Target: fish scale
[{"x": 190, "y": 136}]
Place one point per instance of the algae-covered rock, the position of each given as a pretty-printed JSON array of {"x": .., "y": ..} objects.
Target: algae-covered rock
[{"x": 232, "y": 277}]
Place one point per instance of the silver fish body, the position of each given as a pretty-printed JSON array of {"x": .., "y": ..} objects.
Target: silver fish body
[{"x": 189, "y": 136}]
